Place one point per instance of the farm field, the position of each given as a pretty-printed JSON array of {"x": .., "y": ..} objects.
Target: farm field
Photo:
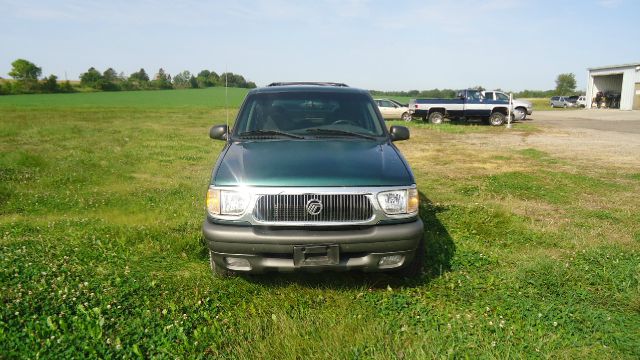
[{"x": 530, "y": 253}]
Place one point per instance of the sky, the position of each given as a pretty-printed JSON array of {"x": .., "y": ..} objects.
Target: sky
[{"x": 383, "y": 45}]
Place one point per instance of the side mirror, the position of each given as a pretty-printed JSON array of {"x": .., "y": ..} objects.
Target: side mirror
[
  {"x": 399, "y": 133},
  {"x": 218, "y": 132}
]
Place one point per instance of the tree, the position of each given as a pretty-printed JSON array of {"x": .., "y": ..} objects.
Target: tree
[
  {"x": 565, "y": 84},
  {"x": 90, "y": 78},
  {"x": 5, "y": 87},
  {"x": 26, "y": 74},
  {"x": 66, "y": 87},
  {"x": 193, "y": 82},
  {"x": 109, "y": 81},
  {"x": 137, "y": 80},
  {"x": 182, "y": 80},
  {"x": 140, "y": 76},
  {"x": 23, "y": 70},
  {"x": 162, "y": 80},
  {"x": 50, "y": 84}
]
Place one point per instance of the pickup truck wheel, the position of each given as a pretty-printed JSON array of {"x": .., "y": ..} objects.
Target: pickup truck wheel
[
  {"x": 406, "y": 116},
  {"x": 416, "y": 267},
  {"x": 496, "y": 119},
  {"x": 523, "y": 115},
  {"x": 216, "y": 270},
  {"x": 436, "y": 118}
]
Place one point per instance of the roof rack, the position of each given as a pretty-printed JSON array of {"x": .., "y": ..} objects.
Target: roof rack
[{"x": 308, "y": 83}]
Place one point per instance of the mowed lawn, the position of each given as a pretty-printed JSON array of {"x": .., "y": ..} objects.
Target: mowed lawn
[{"x": 101, "y": 253}]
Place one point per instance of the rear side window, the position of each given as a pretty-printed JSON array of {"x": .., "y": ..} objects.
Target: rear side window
[{"x": 297, "y": 112}]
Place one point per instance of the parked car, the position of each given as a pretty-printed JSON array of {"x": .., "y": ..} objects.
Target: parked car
[
  {"x": 578, "y": 100},
  {"x": 521, "y": 108},
  {"x": 393, "y": 110},
  {"x": 560, "y": 101},
  {"x": 309, "y": 178},
  {"x": 582, "y": 101}
]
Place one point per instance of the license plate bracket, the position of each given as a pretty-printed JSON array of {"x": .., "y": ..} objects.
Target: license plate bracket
[{"x": 316, "y": 255}]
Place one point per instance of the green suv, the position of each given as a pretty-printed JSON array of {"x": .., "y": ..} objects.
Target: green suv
[{"x": 309, "y": 179}]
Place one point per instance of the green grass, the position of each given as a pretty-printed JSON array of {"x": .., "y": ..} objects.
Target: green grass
[
  {"x": 101, "y": 252},
  {"x": 206, "y": 98}
]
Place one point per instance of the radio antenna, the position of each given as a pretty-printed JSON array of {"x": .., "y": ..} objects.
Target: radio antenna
[{"x": 226, "y": 97}]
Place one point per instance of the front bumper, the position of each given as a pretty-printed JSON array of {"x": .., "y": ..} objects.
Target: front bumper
[{"x": 269, "y": 248}]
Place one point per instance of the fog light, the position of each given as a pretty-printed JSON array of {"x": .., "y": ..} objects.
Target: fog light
[
  {"x": 234, "y": 263},
  {"x": 390, "y": 261}
]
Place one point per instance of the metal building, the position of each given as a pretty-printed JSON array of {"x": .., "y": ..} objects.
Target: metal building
[{"x": 619, "y": 84}]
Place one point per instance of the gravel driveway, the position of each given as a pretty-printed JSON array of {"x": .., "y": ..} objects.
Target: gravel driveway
[
  {"x": 604, "y": 120},
  {"x": 608, "y": 137}
]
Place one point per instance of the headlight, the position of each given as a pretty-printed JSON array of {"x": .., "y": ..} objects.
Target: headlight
[
  {"x": 398, "y": 202},
  {"x": 226, "y": 202}
]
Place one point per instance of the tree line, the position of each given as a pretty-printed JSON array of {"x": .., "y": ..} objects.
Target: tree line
[
  {"x": 27, "y": 80},
  {"x": 565, "y": 86}
]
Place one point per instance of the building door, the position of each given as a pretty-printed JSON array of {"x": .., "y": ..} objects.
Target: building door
[{"x": 636, "y": 98}]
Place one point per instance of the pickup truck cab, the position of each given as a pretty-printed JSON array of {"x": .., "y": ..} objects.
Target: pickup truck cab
[
  {"x": 468, "y": 104},
  {"x": 309, "y": 178}
]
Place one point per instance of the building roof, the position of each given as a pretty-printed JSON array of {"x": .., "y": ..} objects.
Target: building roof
[{"x": 614, "y": 66}]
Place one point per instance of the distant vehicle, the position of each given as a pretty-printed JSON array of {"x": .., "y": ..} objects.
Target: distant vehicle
[
  {"x": 582, "y": 101},
  {"x": 578, "y": 100},
  {"x": 561, "y": 101},
  {"x": 468, "y": 104},
  {"x": 393, "y": 110},
  {"x": 521, "y": 108}
]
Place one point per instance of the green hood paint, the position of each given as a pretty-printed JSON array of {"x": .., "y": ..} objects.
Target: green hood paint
[{"x": 322, "y": 162}]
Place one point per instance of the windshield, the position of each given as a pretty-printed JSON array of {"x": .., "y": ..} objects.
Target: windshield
[{"x": 304, "y": 113}]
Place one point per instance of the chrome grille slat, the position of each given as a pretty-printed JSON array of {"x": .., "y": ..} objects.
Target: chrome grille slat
[{"x": 292, "y": 208}]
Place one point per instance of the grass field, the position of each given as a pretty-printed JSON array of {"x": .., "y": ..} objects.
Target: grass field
[
  {"x": 149, "y": 99},
  {"x": 101, "y": 203}
]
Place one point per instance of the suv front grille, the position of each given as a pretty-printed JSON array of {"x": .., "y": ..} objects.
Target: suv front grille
[{"x": 313, "y": 208}]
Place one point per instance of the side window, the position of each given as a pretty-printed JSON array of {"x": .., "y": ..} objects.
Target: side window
[
  {"x": 386, "y": 103},
  {"x": 502, "y": 97},
  {"x": 488, "y": 95}
]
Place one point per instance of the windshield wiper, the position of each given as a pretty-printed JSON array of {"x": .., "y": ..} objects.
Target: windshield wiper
[
  {"x": 339, "y": 132},
  {"x": 269, "y": 132}
]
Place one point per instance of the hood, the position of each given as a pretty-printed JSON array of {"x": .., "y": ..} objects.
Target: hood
[
  {"x": 322, "y": 162},
  {"x": 526, "y": 103}
]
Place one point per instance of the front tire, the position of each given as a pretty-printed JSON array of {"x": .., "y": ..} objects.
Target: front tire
[
  {"x": 496, "y": 119},
  {"x": 406, "y": 116},
  {"x": 436, "y": 118},
  {"x": 524, "y": 113},
  {"x": 218, "y": 271}
]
